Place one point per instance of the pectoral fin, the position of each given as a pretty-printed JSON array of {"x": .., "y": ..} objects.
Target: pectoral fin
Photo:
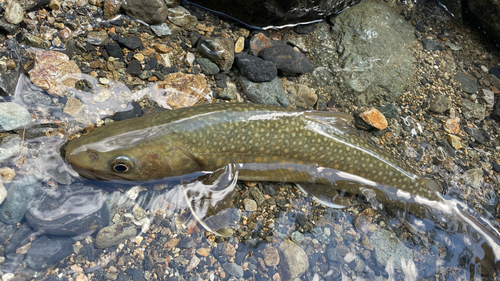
[
  {"x": 211, "y": 199},
  {"x": 324, "y": 194}
]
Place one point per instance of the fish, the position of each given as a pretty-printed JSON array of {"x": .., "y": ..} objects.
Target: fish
[{"x": 320, "y": 151}]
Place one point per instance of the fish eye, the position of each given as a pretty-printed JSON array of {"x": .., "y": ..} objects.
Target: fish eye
[{"x": 122, "y": 164}]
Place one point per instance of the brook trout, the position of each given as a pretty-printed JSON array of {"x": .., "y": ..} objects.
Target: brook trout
[{"x": 320, "y": 151}]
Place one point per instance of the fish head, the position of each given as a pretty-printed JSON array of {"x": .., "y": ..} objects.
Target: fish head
[{"x": 99, "y": 156}]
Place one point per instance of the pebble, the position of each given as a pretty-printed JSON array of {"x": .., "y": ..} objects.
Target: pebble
[
  {"x": 469, "y": 85},
  {"x": 207, "y": 66},
  {"x": 111, "y": 8},
  {"x": 54, "y": 72},
  {"x": 258, "y": 42},
  {"x": 303, "y": 96},
  {"x": 374, "y": 118},
  {"x": 193, "y": 263},
  {"x": 10, "y": 146},
  {"x": 37, "y": 42},
  {"x": 7, "y": 174},
  {"x": 131, "y": 42},
  {"x": 3, "y": 192},
  {"x": 134, "y": 68},
  {"x": 386, "y": 246},
  {"x": 229, "y": 92},
  {"x": 476, "y": 134},
  {"x": 255, "y": 69},
  {"x": 489, "y": 97},
  {"x": 233, "y": 269},
  {"x": 294, "y": 261},
  {"x": 181, "y": 90},
  {"x": 270, "y": 93},
  {"x": 114, "y": 234},
  {"x": 431, "y": 45},
  {"x": 452, "y": 46},
  {"x": 11, "y": 64},
  {"x": 473, "y": 177},
  {"x": 20, "y": 195},
  {"x": 14, "y": 13},
  {"x": 73, "y": 107},
  {"x": 454, "y": 141},
  {"x": 250, "y": 205},
  {"x": 150, "y": 11},
  {"x": 286, "y": 59},
  {"x": 98, "y": 38},
  {"x": 440, "y": 104},
  {"x": 220, "y": 50},
  {"x": 69, "y": 212},
  {"x": 257, "y": 195},
  {"x": 473, "y": 110},
  {"x": 13, "y": 116},
  {"x": 114, "y": 50},
  {"x": 204, "y": 252},
  {"x": 271, "y": 256},
  {"x": 46, "y": 251},
  {"x": 239, "y": 45},
  {"x": 452, "y": 126},
  {"x": 36, "y": 98},
  {"x": 161, "y": 30},
  {"x": 179, "y": 16}
]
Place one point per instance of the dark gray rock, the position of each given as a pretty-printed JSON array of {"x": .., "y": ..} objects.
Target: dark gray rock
[
  {"x": 131, "y": 42},
  {"x": 286, "y": 59},
  {"x": 22, "y": 233},
  {"x": 134, "y": 68},
  {"x": 469, "y": 85},
  {"x": 473, "y": 110},
  {"x": 88, "y": 252},
  {"x": 276, "y": 12},
  {"x": 20, "y": 194},
  {"x": 255, "y": 69},
  {"x": 150, "y": 11},
  {"x": 220, "y": 50},
  {"x": 114, "y": 50},
  {"x": 476, "y": 134},
  {"x": 113, "y": 235},
  {"x": 134, "y": 112},
  {"x": 45, "y": 252},
  {"x": 9, "y": 78},
  {"x": 431, "y": 45},
  {"x": 270, "y": 93},
  {"x": 69, "y": 212},
  {"x": 440, "y": 104}
]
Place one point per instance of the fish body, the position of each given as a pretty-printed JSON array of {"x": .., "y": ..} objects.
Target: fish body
[{"x": 320, "y": 151}]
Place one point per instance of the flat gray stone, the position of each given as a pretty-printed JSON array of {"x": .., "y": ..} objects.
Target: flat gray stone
[
  {"x": 270, "y": 93},
  {"x": 387, "y": 245},
  {"x": 13, "y": 116}
]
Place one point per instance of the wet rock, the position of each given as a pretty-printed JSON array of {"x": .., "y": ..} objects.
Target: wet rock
[
  {"x": 431, "y": 45},
  {"x": 489, "y": 98},
  {"x": 88, "y": 252},
  {"x": 387, "y": 245},
  {"x": 473, "y": 110},
  {"x": 469, "y": 85},
  {"x": 3, "y": 192},
  {"x": 150, "y": 11},
  {"x": 476, "y": 134},
  {"x": 473, "y": 177},
  {"x": 302, "y": 96},
  {"x": 333, "y": 255},
  {"x": 21, "y": 233},
  {"x": 113, "y": 235},
  {"x": 111, "y": 8},
  {"x": 193, "y": 263},
  {"x": 207, "y": 66},
  {"x": 374, "y": 118},
  {"x": 294, "y": 260},
  {"x": 131, "y": 42},
  {"x": 14, "y": 13},
  {"x": 286, "y": 59},
  {"x": 259, "y": 42},
  {"x": 277, "y": 13},
  {"x": 271, "y": 256},
  {"x": 36, "y": 41},
  {"x": 114, "y": 50},
  {"x": 270, "y": 93},
  {"x": 181, "y": 17},
  {"x": 45, "y": 252},
  {"x": 134, "y": 112},
  {"x": 181, "y": 90},
  {"x": 218, "y": 49},
  {"x": 250, "y": 205},
  {"x": 73, "y": 107},
  {"x": 98, "y": 38},
  {"x": 69, "y": 212},
  {"x": 377, "y": 68},
  {"x": 20, "y": 194},
  {"x": 13, "y": 116},
  {"x": 440, "y": 104},
  {"x": 239, "y": 45},
  {"x": 187, "y": 243},
  {"x": 233, "y": 269},
  {"x": 229, "y": 92},
  {"x": 454, "y": 141},
  {"x": 36, "y": 98},
  {"x": 389, "y": 110},
  {"x": 161, "y": 30},
  {"x": 54, "y": 72},
  {"x": 134, "y": 68},
  {"x": 255, "y": 69},
  {"x": 10, "y": 146}
]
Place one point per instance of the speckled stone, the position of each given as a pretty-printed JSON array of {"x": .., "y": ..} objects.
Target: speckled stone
[
  {"x": 220, "y": 50},
  {"x": 14, "y": 13},
  {"x": 13, "y": 116},
  {"x": 294, "y": 260}
]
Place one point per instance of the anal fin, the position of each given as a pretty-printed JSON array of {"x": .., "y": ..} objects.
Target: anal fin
[{"x": 324, "y": 194}]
